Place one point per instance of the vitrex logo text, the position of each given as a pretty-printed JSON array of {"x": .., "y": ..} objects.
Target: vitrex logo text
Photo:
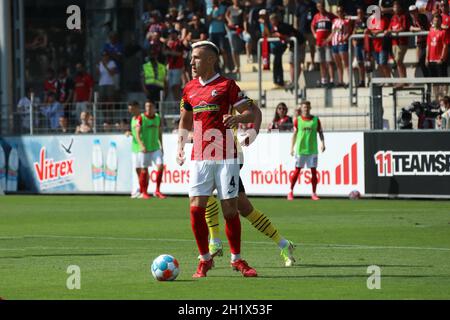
[{"x": 47, "y": 169}]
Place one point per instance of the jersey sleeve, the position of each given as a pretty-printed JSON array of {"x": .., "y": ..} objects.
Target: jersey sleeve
[
  {"x": 237, "y": 97},
  {"x": 139, "y": 121},
  {"x": 184, "y": 103}
]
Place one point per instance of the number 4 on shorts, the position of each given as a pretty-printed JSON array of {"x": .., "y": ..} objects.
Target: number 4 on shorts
[{"x": 232, "y": 183}]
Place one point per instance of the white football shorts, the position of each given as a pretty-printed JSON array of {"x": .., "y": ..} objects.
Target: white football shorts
[
  {"x": 207, "y": 175},
  {"x": 145, "y": 160},
  {"x": 310, "y": 161}
]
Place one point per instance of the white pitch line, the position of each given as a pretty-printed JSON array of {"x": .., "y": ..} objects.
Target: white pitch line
[{"x": 317, "y": 245}]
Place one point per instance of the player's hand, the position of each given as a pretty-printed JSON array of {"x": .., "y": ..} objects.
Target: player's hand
[
  {"x": 322, "y": 148},
  {"x": 180, "y": 157},
  {"x": 230, "y": 121},
  {"x": 248, "y": 137},
  {"x": 292, "y": 152},
  {"x": 143, "y": 149},
  {"x": 127, "y": 133}
]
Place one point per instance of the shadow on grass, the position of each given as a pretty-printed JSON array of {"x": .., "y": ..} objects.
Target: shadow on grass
[
  {"x": 59, "y": 255},
  {"x": 347, "y": 266}
]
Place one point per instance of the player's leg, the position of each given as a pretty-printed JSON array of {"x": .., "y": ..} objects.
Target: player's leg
[
  {"x": 157, "y": 158},
  {"x": 142, "y": 163},
  {"x": 262, "y": 223},
  {"x": 212, "y": 219},
  {"x": 312, "y": 164},
  {"x": 227, "y": 179},
  {"x": 295, "y": 175},
  {"x": 201, "y": 187}
]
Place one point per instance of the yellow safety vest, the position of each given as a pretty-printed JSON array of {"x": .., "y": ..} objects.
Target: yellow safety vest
[{"x": 149, "y": 75}]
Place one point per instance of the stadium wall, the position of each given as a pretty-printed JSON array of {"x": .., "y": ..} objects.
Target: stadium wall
[{"x": 379, "y": 164}]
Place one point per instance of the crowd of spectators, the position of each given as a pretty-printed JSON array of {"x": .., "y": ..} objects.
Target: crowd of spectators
[{"x": 235, "y": 26}]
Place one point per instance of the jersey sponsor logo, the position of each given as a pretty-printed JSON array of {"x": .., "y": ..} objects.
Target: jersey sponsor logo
[
  {"x": 204, "y": 107},
  {"x": 409, "y": 163},
  {"x": 214, "y": 93}
]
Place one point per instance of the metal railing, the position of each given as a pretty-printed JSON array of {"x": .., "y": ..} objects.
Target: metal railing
[
  {"x": 296, "y": 67},
  {"x": 352, "y": 91}
]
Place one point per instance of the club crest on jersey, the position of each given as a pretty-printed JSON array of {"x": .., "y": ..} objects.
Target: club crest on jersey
[{"x": 214, "y": 93}]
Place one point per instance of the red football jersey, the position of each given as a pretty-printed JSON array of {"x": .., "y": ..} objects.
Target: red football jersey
[
  {"x": 210, "y": 101},
  {"x": 399, "y": 23},
  {"x": 383, "y": 25},
  {"x": 435, "y": 44},
  {"x": 322, "y": 25}
]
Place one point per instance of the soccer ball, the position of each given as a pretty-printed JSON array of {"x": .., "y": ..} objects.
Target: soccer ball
[
  {"x": 354, "y": 195},
  {"x": 165, "y": 268}
]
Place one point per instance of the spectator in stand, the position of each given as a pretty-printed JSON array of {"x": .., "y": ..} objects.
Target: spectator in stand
[
  {"x": 399, "y": 23},
  {"x": 153, "y": 76},
  {"x": 115, "y": 50},
  {"x": 174, "y": 53},
  {"x": 24, "y": 108},
  {"x": 50, "y": 84},
  {"x": 85, "y": 123},
  {"x": 341, "y": 32},
  {"x": 52, "y": 111},
  {"x": 277, "y": 49},
  {"x": 195, "y": 32},
  {"x": 156, "y": 30},
  {"x": 63, "y": 125},
  {"x": 235, "y": 27},
  {"x": 106, "y": 70},
  {"x": 147, "y": 16},
  {"x": 281, "y": 121},
  {"x": 360, "y": 27},
  {"x": 217, "y": 31},
  {"x": 321, "y": 28},
  {"x": 444, "y": 10},
  {"x": 437, "y": 53},
  {"x": 419, "y": 22},
  {"x": 246, "y": 35},
  {"x": 445, "y": 117},
  {"x": 284, "y": 31},
  {"x": 65, "y": 89},
  {"x": 380, "y": 45},
  {"x": 305, "y": 12},
  {"x": 84, "y": 85}
]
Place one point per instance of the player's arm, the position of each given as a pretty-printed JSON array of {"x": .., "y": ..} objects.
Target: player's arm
[
  {"x": 294, "y": 139},
  {"x": 250, "y": 134},
  {"x": 246, "y": 115},
  {"x": 321, "y": 137},
  {"x": 138, "y": 138},
  {"x": 185, "y": 126},
  {"x": 160, "y": 134}
]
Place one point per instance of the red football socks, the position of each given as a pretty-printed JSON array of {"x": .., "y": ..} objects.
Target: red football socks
[
  {"x": 143, "y": 181},
  {"x": 294, "y": 177},
  {"x": 314, "y": 179},
  {"x": 233, "y": 232},
  {"x": 159, "y": 179},
  {"x": 200, "y": 229}
]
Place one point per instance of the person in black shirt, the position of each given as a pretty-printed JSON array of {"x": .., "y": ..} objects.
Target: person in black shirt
[
  {"x": 360, "y": 27},
  {"x": 305, "y": 11}
]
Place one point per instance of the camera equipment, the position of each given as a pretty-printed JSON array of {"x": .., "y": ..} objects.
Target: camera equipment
[{"x": 425, "y": 112}]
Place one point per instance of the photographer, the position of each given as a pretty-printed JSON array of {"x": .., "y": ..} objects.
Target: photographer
[
  {"x": 445, "y": 117},
  {"x": 427, "y": 113}
]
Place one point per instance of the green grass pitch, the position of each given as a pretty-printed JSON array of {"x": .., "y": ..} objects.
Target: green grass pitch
[{"x": 114, "y": 239}]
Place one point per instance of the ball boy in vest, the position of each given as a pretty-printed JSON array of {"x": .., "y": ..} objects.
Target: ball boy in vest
[
  {"x": 304, "y": 146},
  {"x": 147, "y": 147}
]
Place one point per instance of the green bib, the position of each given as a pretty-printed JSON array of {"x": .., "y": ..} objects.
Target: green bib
[
  {"x": 150, "y": 132},
  {"x": 306, "y": 143},
  {"x": 134, "y": 143}
]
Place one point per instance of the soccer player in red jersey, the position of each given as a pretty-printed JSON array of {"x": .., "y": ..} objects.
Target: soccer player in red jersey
[{"x": 206, "y": 105}]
